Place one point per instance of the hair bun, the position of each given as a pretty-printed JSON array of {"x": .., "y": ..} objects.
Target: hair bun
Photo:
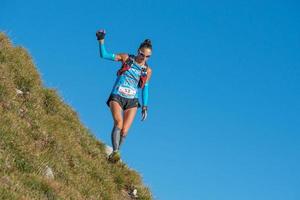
[
  {"x": 146, "y": 44},
  {"x": 147, "y": 41}
]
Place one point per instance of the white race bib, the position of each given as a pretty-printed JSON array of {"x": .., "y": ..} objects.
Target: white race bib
[{"x": 127, "y": 91}]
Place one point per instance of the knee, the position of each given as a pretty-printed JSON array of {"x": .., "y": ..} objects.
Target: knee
[
  {"x": 124, "y": 131},
  {"x": 119, "y": 124}
]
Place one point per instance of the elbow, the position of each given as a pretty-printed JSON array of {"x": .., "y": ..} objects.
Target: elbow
[{"x": 101, "y": 51}]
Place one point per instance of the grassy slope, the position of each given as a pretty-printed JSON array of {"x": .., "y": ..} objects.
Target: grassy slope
[{"x": 38, "y": 130}]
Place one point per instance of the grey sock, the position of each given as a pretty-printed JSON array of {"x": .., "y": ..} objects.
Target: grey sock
[
  {"x": 115, "y": 138},
  {"x": 122, "y": 138}
]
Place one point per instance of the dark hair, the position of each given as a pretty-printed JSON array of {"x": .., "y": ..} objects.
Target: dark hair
[{"x": 146, "y": 44}]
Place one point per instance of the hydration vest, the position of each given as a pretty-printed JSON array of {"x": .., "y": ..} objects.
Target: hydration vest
[{"x": 127, "y": 65}]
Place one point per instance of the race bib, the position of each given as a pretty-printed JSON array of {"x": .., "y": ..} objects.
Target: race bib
[{"x": 128, "y": 92}]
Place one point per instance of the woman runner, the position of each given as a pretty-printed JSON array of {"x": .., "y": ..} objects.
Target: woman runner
[{"x": 123, "y": 100}]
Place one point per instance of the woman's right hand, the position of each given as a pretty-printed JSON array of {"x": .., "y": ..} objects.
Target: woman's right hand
[{"x": 100, "y": 34}]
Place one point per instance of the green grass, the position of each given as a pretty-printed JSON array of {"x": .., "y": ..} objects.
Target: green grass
[
  {"x": 7, "y": 194},
  {"x": 37, "y": 129}
]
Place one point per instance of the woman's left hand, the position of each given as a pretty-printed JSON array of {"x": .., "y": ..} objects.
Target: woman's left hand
[{"x": 144, "y": 113}]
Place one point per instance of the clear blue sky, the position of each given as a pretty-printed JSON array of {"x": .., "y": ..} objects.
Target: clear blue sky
[{"x": 224, "y": 97}]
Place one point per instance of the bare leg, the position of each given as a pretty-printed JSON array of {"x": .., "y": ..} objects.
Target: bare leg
[
  {"x": 116, "y": 111},
  {"x": 129, "y": 115}
]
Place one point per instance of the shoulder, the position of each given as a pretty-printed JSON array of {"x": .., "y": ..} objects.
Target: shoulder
[
  {"x": 149, "y": 69},
  {"x": 122, "y": 57},
  {"x": 149, "y": 73}
]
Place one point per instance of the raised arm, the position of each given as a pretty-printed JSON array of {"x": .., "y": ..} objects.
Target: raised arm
[{"x": 103, "y": 53}]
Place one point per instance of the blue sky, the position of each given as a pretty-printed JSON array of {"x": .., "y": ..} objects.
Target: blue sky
[{"x": 224, "y": 96}]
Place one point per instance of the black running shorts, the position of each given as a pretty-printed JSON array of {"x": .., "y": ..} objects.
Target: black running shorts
[{"x": 125, "y": 103}]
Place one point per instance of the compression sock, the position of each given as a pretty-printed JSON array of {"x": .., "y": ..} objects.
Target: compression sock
[
  {"x": 122, "y": 138},
  {"x": 115, "y": 138}
]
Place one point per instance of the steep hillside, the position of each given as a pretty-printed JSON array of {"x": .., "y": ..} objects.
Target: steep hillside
[{"x": 45, "y": 151}]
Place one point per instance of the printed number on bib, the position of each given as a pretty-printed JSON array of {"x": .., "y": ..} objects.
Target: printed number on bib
[{"x": 127, "y": 91}]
